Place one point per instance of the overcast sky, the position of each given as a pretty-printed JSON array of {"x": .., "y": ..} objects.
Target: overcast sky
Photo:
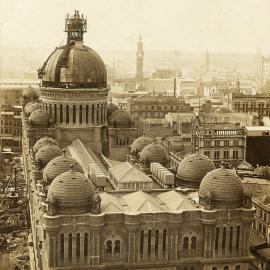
[{"x": 191, "y": 25}]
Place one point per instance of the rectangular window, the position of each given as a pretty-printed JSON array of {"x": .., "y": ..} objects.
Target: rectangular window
[
  {"x": 217, "y": 143},
  {"x": 235, "y": 143},
  {"x": 226, "y": 154},
  {"x": 207, "y": 143},
  {"x": 207, "y": 153},
  {"x": 216, "y": 154},
  {"x": 226, "y": 143},
  {"x": 235, "y": 154}
]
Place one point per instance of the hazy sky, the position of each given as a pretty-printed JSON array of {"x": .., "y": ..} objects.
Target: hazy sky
[{"x": 192, "y": 25}]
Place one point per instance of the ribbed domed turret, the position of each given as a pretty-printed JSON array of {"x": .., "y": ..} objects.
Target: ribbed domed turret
[
  {"x": 43, "y": 141},
  {"x": 71, "y": 193},
  {"x": 29, "y": 93},
  {"x": 221, "y": 188},
  {"x": 193, "y": 168},
  {"x": 120, "y": 118},
  {"x": 40, "y": 117},
  {"x": 31, "y": 107},
  {"x": 47, "y": 153},
  {"x": 139, "y": 143},
  {"x": 60, "y": 165},
  {"x": 153, "y": 153},
  {"x": 111, "y": 107}
]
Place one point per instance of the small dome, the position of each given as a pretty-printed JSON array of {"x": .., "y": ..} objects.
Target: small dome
[
  {"x": 120, "y": 118},
  {"x": 111, "y": 107},
  {"x": 43, "y": 141},
  {"x": 31, "y": 107},
  {"x": 47, "y": 153},
  {"x": 139, "y": 143},
  {"x": 39, "y": 117},
  {"x": 222, "y": 188},
  {"x": 72, "y": 193},
  {"x": 60, "y": 165},
  {"x": 29, "y": 93},
  {"x": 153, "y": 153},
  {"x": 245, "y": 166},
  {"x": 193, "y": 168}
]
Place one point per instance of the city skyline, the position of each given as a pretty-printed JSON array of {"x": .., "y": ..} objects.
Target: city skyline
[{"x": 216, "y": 26}]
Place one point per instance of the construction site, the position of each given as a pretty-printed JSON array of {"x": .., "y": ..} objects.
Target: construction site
[{"x": 14, "y": 216}]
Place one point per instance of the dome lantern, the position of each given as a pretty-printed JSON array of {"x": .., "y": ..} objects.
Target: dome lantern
[{"x": 75, "y": 26}]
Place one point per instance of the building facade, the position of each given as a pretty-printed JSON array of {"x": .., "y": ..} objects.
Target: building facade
[{"x": 218, "y": 139}]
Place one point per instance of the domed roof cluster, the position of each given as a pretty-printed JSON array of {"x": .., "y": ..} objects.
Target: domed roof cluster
[
  {"x": 40, "y": 117},
  {"x": 139, "y": 143},
  {"x": 120, "y": 118},
  {"x": 43, "y": 141},
  {"x": 60, "y": 165},
  {"x": 193, "y": 168},
  {"x": 221, "y": 188},
  {"x": 74, "y": 65},
  {"x": 47, "y": 153},
  {"x": 29, "y": 93},
  {"x": 72, "y": 193},
  {"x": 153, "y": 153}
]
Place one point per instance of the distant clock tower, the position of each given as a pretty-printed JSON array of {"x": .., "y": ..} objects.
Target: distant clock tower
[{"x": 139, "y": 62}]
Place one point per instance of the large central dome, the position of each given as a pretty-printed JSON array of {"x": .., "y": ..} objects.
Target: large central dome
[{"x": 74, "y": 65}]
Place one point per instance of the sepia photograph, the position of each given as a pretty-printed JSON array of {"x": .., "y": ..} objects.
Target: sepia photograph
[{"x": 135, "y": 134}]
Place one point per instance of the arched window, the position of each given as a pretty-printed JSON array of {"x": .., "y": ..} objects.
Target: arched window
[
  {"x": 70, "y": 246},
  {"x": 164, "y": 240},
  {"x": 61, "y": 113},
  {"x": 185, "y": 244},
  {"x": 62, "y": 246},
  {"x": 80, "y": 114},
  {"x": 141, "y": 243},
  {"x": 78, "y": 245},
  {"x": 226, "y": 267},
  {"x": 50, "y": 109},
  {"x": 237, "y": 237},
  {"x": 216, "y": 240},
  {"x": 85, "y": 244},
  {"x": 237, "y": 267},
  {"x": 193, "y": 243},
  {"x": 149, "y": 243},
  {"x": 117, "y": 246},
  {"x": 93, "y": 114},
  {"x": 55, "y": 113},
  {"x": 231, "y": 238},
  {"x": 67, "y": 114},
  {"x": 224, "y": 238},
  {"x": 156, "y": 243},
  {"x": 74, "y": 114},
  {"x": 87, "y": 114},
  {"x": 109, "y": 247},
  {"x": 98, "y": 111}
]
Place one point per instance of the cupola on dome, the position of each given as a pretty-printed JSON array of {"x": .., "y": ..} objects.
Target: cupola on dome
[
  {"x": 193, "y": 168},
  {"x": 60, "y": 165},
  {"x": 71, "y": 193},
  {"x": 47, "y": 153},
  {"x": 221, "y": 188},
  {"x": 139, "y": 143},
  {"x": 153, "y": 153},
  {"x": 120, "y": 118},
  {"x": 43, "y": 141},
  {"x": 74, "y": 65},
  {"x": 40, "y": 117}
]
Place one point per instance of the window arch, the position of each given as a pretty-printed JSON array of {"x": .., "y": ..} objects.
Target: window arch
[
  {"x": 70, "y": 246},
  {"x": 74, "y": 114},
  {"x": 193, "y": 243},
  {"x": 80, "y": 114},
  {"x": 55, "y": 113},
  {"x": 109, "y": 247},
  {"x": 164, "y": 240},
  {"x": 61, "y": 113},
  {"x": 85, "y": 244},
  {"x": 117, "y": 247},
  {"x": 67, "y": 114},
  {"x": 156, "y": 243},
  {"x": 78, "y": 245},
  {"x": 185, "y": 243},
  {"x": 87, "y": 114},
  {"x": 62, "y": 246}
]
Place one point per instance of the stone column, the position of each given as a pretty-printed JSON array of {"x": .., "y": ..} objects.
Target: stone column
[
  {"x": 160, "y": 244},
  {"x": 64, "y": 115},
  {"x": 78, "y": 114},
  {"x": 228, "y": 235},
  {"x": 82, "y": 248},
  {"x": 73, "y": 248},
  {"x": 220, "y": 241},
  {"x": 206, "y": 239},
  {"x": 70, "y": 114},
  {"x": 90, "y": 114},
  {"x": 153, "y": 236},
  {"x": 131, "y": 247},
  {"x": 58, "y": 113},
  {"x": 65, "y": 248},
  {"x": 51, "y": 247},
  {"x": 145, "y": 246},
  {"x": 139, "y": 246}
]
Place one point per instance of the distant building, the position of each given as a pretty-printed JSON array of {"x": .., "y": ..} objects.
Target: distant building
[
  {"x": 218, "y": 139},
  {"x": 139, "y": 61},
  {"x": 164, "y": 74},
  {"x": 156, "y": 106},
  {"x": 265, "y": 71}
]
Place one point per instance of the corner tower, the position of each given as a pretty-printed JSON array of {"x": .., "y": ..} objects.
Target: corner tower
[{"x": 74, "y": 88}]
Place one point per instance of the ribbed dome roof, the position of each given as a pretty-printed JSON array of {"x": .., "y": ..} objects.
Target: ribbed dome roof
[
  {"x": 29, "y": 93},
  {"x": 72, "y": 192},
  {"x": 74, "y": 64},
  {"x": 120, "y": 118},
  {"x": 60, "y": 165},
  {"x": 43, "y": 141},
  {"x": 111, "y": 107},
  {"x": 47, "y": 153},
  {"x": 223, "y": 187},
  {"x": 31, "y": 107},
  {"x": 153, "y": 153},
  {"x": 139, "y": 143},
  {"x": 39, "y": 117},
  {"x": 193, "y": 168}
]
